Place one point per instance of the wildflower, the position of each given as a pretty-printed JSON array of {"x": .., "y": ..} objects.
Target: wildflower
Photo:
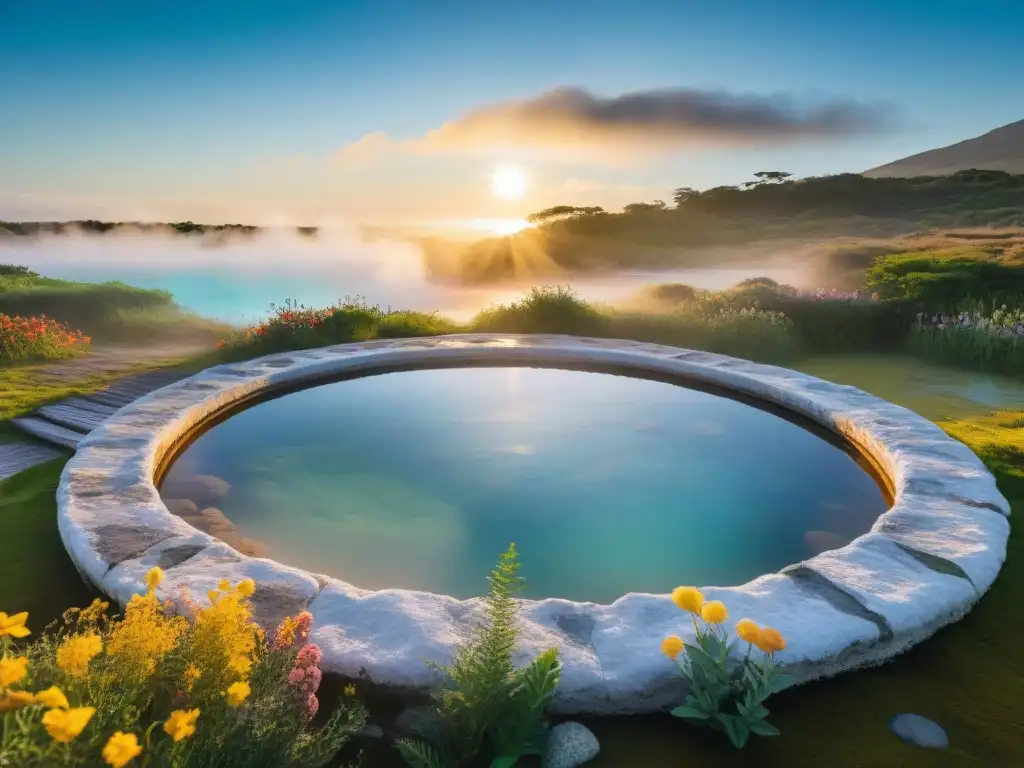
[
  {"x": 145, "y": 635},
  {"x": 13, "y": 700},
  {"x": 714, "y": 612},
  {"x": 672, "y": 646},
  {"x": 225, "y": 637},
  {"x": 748, "y": 630},
  {"x": 121, "y": 749},
  {"x": 246, "y": 587},
  {"x": 688, "y": 598},
  {"x": 309, "y": 656},
  {"x": 64, "y": 725},
  {"x": 224, "y": 585},
  {"x": 284, "y": 635},
  {"x": 770, "y": 640},
  {"x": 349, "y": 690},
  {"x": 53, "y": 698},
  {"x": 192, "y": 674},
  {"x": 75, "y": 653},
  {"x": 95, "y": 610},
  {"x": 14, "y": 626},
  {"x": 12, "y": 670},
  {"x": 312, "y": 704},
  {"x": 181, "y": 724},
  {"x": 237, "y": 693},
  {"x": 153, "y": 578},
  {"x": 240, "y": 665}
]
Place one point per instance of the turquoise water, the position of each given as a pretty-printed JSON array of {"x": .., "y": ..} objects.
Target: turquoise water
[{"x": 608, "y": 484}]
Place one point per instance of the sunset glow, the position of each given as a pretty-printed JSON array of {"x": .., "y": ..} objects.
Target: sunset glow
[{"x": 508, "y": 182}]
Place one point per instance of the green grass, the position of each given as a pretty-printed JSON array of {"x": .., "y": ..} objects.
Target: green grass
[{"x": 108, "y": 312}]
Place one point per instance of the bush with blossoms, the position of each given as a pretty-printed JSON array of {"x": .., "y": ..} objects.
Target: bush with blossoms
[
  {"x": 727, "y": 690},
  {"x": 151, "y": 688},
  {"x": 38, "y": 338}
]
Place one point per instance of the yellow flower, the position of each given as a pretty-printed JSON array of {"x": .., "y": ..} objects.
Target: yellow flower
[
  {"x": 714, "y": 612},
  {"x": 121, "y": 749},
  {"x": 64, "y": 725},
  {"x": 748, "y": 630},
  {"x": 672, "y": 646},
  {"x": 770, "y": 640},
  {"x": 12, "y": 669},
  {"x": 224, "y": 585},
  {"x": 153, "y": 578},
  {"x": 53, "y": 697},
  {"x": 246, "y": 587},
  {"x": 16, "y": 700},
  {"x": 181, "y": 724},
  {"x": 14, "y": 626},
  {"x": 240, "y": 665},
  {"x": 75, "y": 653},
  {"x": 237, "y": 693},
  {"x": 192, "y": 674},
  {"x": 349, "y": 690},
  {"x": 688, "y": 598},
  {"x": 93, "y": 613},
  {"x": 145, "y": 635}
]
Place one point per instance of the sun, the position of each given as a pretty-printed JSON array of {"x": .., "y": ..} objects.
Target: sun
[{"x": 508, "y": 182}]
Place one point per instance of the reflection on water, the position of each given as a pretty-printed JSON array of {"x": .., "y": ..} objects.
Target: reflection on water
[{"x": 607, "y": 484}]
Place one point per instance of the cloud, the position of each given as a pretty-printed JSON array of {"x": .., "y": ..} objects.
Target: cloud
[
  {"x": 573, "y": 121},
  {"x": 587, "y": 186}
]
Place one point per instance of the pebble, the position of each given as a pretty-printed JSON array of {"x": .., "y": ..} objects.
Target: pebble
[
  {"x": 919, "y": 731},
  {"x": 568, "y": 745}
]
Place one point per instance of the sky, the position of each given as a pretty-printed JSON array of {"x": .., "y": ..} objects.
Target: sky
[{"x": 317, "y": 111}]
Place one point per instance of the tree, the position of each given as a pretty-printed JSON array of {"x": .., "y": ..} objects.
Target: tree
[
  {"x": 771, "y": 177},
  {"x": 682, "y": 194},
  {"x": 634, "y": 208},
  {"x": 559, "y": 212}
]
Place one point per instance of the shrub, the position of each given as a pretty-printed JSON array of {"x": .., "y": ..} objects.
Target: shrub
[
  {"x": 38, "y": 338},
  {"x": 544, "y": 310},
  {"x": 486, "y": 704},
  {"x": 972, "y": 340},
  {"x": 726, "y": 693},
  {"x": 212, "y": 692},
  {"x": 942, "y": 281}
]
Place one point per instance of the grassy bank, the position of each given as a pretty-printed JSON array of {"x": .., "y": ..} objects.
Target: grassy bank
[{"x": 108, "y": 312}]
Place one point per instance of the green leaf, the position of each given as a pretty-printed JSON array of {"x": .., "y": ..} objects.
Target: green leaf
[
  {"x": 777, "y": 683},
  {"x": 735, "y": 730},
  {"x": 689, "y": 712},
  {"x": 505, "y": 761},
  {"x": 709, "y": 665},
  {"x": 419, "y": 754},
  {"x": 711, "y": 646},
  {"x": 762, "y": 728}
]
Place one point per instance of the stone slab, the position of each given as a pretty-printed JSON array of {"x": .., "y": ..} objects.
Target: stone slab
[{"x": 923, "y": 565}]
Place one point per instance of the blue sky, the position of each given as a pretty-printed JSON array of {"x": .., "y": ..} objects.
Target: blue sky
[{"x": 224, "y": 109}]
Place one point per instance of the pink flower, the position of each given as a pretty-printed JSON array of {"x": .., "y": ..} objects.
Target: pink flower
[
  {"x": 296, "y": 676},
  {"x": 313, "y": 678},
  {"x": 312, "y": 704},
  {"x": 309, "y": 656}
]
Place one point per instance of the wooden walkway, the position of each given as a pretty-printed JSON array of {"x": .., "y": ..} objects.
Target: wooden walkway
[{"x": 61, "y": 425}]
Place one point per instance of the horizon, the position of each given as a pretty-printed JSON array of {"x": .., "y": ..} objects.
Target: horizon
[{"x": 387, "y": 114}]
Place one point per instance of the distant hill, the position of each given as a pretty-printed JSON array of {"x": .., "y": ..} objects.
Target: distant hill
[{"x": 998, "y": 150}]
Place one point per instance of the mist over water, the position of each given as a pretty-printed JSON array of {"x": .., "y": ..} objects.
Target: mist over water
[{"x": 237, "y": 280}]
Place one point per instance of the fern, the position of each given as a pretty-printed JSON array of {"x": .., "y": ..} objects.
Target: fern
[
  {"x": 522, "y": 729},
  {"x": 420, "y": 754},
  {"x": 484, "y": 698}
]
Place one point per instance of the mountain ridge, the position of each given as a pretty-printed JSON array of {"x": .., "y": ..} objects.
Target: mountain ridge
[{"x": 1001, "y": 149}]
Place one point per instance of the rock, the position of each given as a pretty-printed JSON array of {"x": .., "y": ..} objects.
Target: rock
[
  {"x": 569, "y": 744},
  {"x": 204, "y": 490},
  {"x": 422, "y": 721},
  {"x": 372, "y": 731},
  {"x": 181, "y": 507},
  {"x": 919, "y": 731}
]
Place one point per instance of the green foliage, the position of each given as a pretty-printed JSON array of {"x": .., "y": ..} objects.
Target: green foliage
[
  {"x": 110, "y": 311},
  {"x": 726, "y": 694},
  {"x": 944, "y": 281},
  {"x": 485, "y": 703},
  {"x": 544, "y": 310}
]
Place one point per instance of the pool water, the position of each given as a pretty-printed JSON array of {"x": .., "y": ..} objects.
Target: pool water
[{"x": 607, "y": 484}]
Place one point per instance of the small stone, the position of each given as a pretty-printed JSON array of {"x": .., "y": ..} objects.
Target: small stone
[
  {"x": 569, "y": 744},
  {"x": 919, "y": 731},
  {"x": 422, "y": 722}
]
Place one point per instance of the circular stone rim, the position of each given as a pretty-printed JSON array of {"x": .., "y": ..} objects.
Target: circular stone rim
[{"x": 923, "y": 564}]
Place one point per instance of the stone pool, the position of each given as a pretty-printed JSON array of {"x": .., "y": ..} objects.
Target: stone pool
[
  {"x": 607, "y": 483},
  {"x": 920, "y": 564}
]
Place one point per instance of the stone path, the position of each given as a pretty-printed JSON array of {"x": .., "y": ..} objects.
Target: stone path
[
  {"x": 59, "y": 426},
  {"x": 66, "y": 422}
]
